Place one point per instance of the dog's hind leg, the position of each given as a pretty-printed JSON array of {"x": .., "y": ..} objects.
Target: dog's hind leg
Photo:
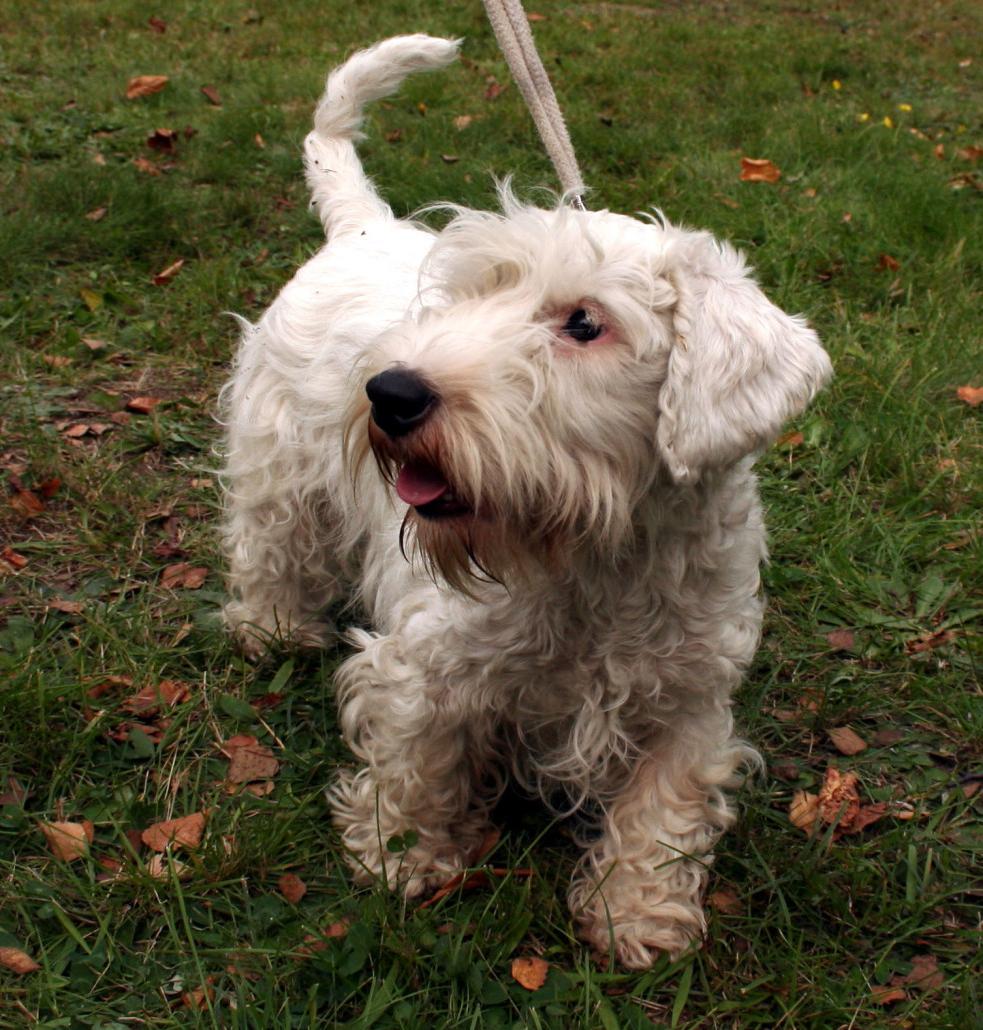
[{"x": 342, "y": 194}]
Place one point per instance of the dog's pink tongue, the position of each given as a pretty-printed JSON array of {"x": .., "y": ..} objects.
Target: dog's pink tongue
[{"x": 418, "y": 483}]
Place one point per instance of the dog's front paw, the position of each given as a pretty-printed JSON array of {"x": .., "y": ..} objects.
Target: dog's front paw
[
  {"x": 638, "y": 943},
  {"x": 257, "y": 634}
]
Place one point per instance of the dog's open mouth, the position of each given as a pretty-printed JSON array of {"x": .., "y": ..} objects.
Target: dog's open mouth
[{"x": 424, "y": 488}]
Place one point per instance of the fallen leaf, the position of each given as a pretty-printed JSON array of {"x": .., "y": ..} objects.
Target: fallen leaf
[
  {"x": 68, "y": 841},
  {"x": 759, "y": 170},
  {"x": 159, "y": 867},
  {"x": 17, "y": 961},
  {"x": 249, "y": 760},
  {"x": 530, "y": 972},
  {"x": 786, "y": 770},
  {"x": 211, "y": 94},
  {"x": 27, "y": 504},
  {"x": 97, "y": 214},
  {"x": 841, "y": 639},
  {"x": 155, "y": 696},
  {"x": 533, "y": 16},
  {"x": 15, "y": 794},
  {"x": 60, "y": 604},
  {"x": 157, "y": 24},
  {"x": 790, "y": 440},
  {"x": 846, "y": 741},
  {"x": 888, "y": 737},
  {"x": 925, "y": 973},
  {"x": 259, "y": 141},
  {"x": 91, "y": 299},
  {"x": 164, "y": 277},
  {"x": 12, "y": 558},
  {"x": 839, "y": 800},
  {"x": 185, "y": 831},
  {"x": 449, "y": 159},
  {"x": 971, "y": 395},
  {"x": 145, "y": 85},
  {"x": 199, "y": 998},
  {"x": 394, "y": 136},
  {"x": 314, "y": 942},
  {"x": 886, "y": 263},
  {"x": 930, "y": 641},
  {"x": 494, "y": 89},
  {"x": 939, "y": 151},
  {"x": 462, "y": 121},
  {"x": 49, "y": 487},
  {"x": 292, "y": 887},
  {"x": 970, "y": 153},
  {"x": 726, "y": 901},
  {"x": 164, "y": 140},
  {"x": 145, "y": 166},
  {"x": 185, "y": 575},
  {"x": 887, "y": 995},
  {"x": 143, "y": 405},
  {"x": 803, "y": 813}
]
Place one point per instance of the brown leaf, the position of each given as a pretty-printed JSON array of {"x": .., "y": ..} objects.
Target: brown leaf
[
  {"x": 74, "y": 432},
  {"x": 159, "y": 867},
  {"x": 157, "y": 24},
  {"x": 185, "y": 575},
  {"x": 164, "y": 277},
  {"x": 211, "y": 94},
  {"x": 930, "y": 641},
  {"x": 462, "y": 121},
  {"x": 145, "y": 85},
  {"x": 726, "y": 901},
  {"x": 839, "y": 800},
  {"x": 145, "y": 166},
  {"x": 96, "y": 214},
  {"x": 68, "y": 841},
  {"x": 803, "y": 813},
  {"x": 790, "y": 440},
  {"x": 185, "y": 831},
  {"x": 164, "y": 140},
  {"x": 198, "y": 998},
  {"x": 60, "y": 604},
  {"x": 841, "y": 639},
  {"x": 846, "y": 741},
  {"x": 259, "y": 141},
  {"x": 17, "y": 961},
  {"x": 887, "y": 995},
  {"x": 971, "y": 395},
  {"x": 887, "y": 737},
  {"x": 15, "y": 794},
  {"x": 755, "y": 169},
  {"x": 530, "y": 972},
  {"x": 292, "y": 887},
  {"x": 27, "y": 504},
  {"x": 143, "y": 405},
  {"x": 155, "y": 696},
  {"x": 925, "y": 973},
  {"x": 494, "y": 89},
  {"x": 886, "y": 263},
  {"x": 970, "y": 153},
  {"x": 56, "y": 360},
  {"x": 49, "y": 487},
  {"x": 12, "y": 558},
  {"x": 249, "y": 760}
]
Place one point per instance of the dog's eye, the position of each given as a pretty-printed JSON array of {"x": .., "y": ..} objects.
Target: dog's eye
[{"x": 581, "y": 328}]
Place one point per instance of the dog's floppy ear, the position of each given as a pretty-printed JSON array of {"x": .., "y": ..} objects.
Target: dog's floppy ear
[{"x": 738, "y": 367}]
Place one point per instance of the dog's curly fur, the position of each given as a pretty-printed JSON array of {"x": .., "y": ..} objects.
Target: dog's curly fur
[{"x": 581, "y": 615}]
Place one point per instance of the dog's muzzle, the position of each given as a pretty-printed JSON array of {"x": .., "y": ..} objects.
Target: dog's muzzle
[{"x": 401, "y": 401}]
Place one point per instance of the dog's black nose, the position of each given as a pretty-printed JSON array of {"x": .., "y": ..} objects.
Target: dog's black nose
[{"x": 401, "y": 400}]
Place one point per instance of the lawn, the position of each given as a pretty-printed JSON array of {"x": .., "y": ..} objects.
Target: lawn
[{"x": 119, "y": 694}]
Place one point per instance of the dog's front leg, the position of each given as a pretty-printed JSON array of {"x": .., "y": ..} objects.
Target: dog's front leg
[
  {"x": 426, "y": 758},
  {"x": 640, "y": 886}
]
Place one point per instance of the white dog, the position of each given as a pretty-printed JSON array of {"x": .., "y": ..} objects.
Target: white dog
[{"x": 558, "y": 541}]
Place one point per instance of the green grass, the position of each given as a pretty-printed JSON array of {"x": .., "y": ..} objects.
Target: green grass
[{"x": 874, "y": 516}]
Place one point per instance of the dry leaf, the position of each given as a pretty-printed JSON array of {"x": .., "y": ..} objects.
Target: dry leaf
[
  {"x": 839, "y": 800},
  {"x": 462, "y": 121},
  {"x": 211, "y": 94},
  {"x": 759, "y": 170},
  {"x": 199, "y": 998},
  {"x": 145, "y": 85},
  {"x": 259, "y": 141},
  {"x": 494, "y": 89},
  {"x": 841, "y": 639},
  {"x": 292, "y": 887},
  {"x": 249, "y": 760},
  {"x": 394, "y": 136},
  {"x": 888, "y": 737},
  {"x": 930, "y": 641},
  {"x": 970, "y": 153},
  {"x": 185, "y": 575},
  {"x": 846, "y": 741},
  {"x": 12, "y": 558},
  {"x": 154, "y": 696},
  {"x": 157, "y": 24},
  {"x": 449, "y": 159},
  {"x": 159, "y": 867},
  {"x": 143, "y": 405},
  {"x": 726, "y": 901},
  {"x": 96, "y": 214},
  {"x": 145, "y": 166},
  {"x": 59, "y": 604},
  {"x": 790, "y": 440},
  {"x": 27, "y": 504},
  {"x": 163, "y": 278},
  {"x": 925, "y": 973},
  {"x": 15, "y": 794},
  {"x": 971, "y": 395},
  {"x": 186, "y": 832},
  {"x": 803, "y": 813},
  {"x": 17, "y": 961},
  {"x": 164, "y": 140},
  {"x": 886, "y": 263},
  {"x": 530, "y": 972},
  {"x": 887, "y": 995},
  {"x": 68, "y": 841}
]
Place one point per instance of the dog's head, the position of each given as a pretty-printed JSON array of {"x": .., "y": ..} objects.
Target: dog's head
[{"x": 564, "y": 365}]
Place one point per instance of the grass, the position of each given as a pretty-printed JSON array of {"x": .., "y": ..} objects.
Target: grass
[{"x": 874, "y": 513}]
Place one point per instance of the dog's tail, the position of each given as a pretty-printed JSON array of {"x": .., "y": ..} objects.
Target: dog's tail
[{"x": 344, "y": 197}]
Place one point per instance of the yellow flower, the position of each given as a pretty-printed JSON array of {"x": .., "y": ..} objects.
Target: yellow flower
[
  {"x": 904, "y": 107},
  {"x": 865, "y": 117},
  {"x": 888, "y": 122},
  {"x": 836, "y": 84}
]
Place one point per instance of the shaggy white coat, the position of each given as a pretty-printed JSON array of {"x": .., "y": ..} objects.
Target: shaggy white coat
[{"x": 612, "y": 501}]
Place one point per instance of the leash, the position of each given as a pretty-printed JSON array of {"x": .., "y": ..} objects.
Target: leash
[{"x": 511, "y": 28}]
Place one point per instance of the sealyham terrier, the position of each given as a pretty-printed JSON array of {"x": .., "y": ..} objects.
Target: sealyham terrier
[{"x": 524, "y": 444}]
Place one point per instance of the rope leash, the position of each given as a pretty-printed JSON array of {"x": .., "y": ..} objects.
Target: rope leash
[{"x": 511, "y": 28}]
